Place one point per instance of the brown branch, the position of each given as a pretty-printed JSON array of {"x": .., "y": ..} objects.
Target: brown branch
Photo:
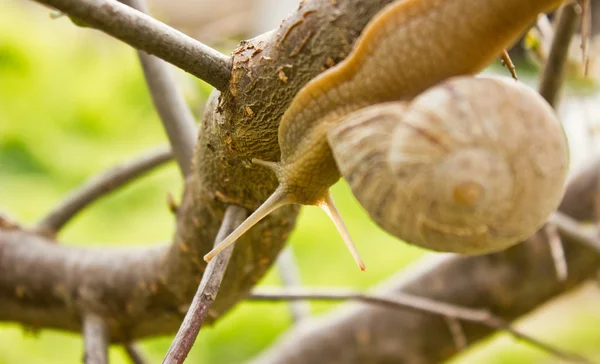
[
  {"x": 553, "y": 73},
  {"x": 421, "y": 304},
  {"x": 290, "y": 276},
  {"x": 146, "y": 291},
  {"x": 135, "y": 354},
  {"x": 151, "y": 36},
  {"x": 176, "y": 117},
  {"x": 207, "y": 290},
  {"x": 95, "y": 336},
  {"x": 99, "y": 186}
]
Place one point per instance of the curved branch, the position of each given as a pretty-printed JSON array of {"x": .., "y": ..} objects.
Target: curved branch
[
  {"x": 101, "y": 185},
  {"x": 151, "y": 36}
]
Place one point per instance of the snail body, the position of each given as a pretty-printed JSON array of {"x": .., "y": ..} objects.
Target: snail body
[{"x": 409, "y": 46}]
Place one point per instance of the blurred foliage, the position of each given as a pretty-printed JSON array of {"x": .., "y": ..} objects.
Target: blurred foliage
[{"x": 73, "y": 102}]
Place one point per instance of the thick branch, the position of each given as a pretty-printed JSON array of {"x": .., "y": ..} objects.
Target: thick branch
[
  {"x": 95, "y": 336},
  {"x": 176, "y": 117},
  {"x": 100, "y": 186},
  {"x": 151, "y": 36}
]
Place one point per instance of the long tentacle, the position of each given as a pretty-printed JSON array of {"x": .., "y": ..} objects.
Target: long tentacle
[{"x": 329, "y": 207}]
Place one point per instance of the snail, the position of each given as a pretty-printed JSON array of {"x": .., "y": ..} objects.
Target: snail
[{"x": 408, "y": 47}]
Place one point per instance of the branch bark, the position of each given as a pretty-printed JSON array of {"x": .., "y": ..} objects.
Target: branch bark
[{"x": 151, "y": 36}]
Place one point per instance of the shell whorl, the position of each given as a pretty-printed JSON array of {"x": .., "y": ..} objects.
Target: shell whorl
[{"x": 472, "y": 166}]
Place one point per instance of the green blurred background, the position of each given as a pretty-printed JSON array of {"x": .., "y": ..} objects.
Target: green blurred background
[{"x": 73, "y": 102}]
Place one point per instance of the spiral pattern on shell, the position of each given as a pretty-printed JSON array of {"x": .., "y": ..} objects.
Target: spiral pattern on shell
[{"x": 473, "y": 165}]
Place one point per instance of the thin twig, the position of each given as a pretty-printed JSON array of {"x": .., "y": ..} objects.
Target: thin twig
[
  {"x": 290, "y": 276},
  {"x": 422, "y": 304},
  {"x": 554, "y": 70},
  {"x": 207, "y": 290},
  {"x": 151, "y": 36},
  {"x": 135, "y": 354},
  {"x": 457, "y": 332},
  {"x": 176, "y": 117},
  {"x": 558, "y": 252},
  {"x": 572, "y": 229},
  {"x": 100, "y": 186},
  {"x": 95, "y": 337},
  {"x": 586, "y": 34}
]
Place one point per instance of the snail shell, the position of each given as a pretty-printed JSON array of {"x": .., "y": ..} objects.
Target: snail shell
[{"x": 472, "y": 166}]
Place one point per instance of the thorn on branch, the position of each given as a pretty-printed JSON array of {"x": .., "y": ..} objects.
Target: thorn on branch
[
  {"x": 95, "y": 337},
  {"x": 421, "y": 304},
  {"x": 99, "y": 186},
  {"x": 207, "y": 290}
]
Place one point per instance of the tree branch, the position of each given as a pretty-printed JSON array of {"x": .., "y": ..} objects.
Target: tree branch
[
  {"x": 553, "y": 73},
  {"x": 176, "y": 117},
  {"x": 95, "y": 336},
  {"x": 421, "y": 304},
  {"x": 101, "y": 185},
  {"x": 207, "y": 291},
  {"x": 151, "y": 36}
]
